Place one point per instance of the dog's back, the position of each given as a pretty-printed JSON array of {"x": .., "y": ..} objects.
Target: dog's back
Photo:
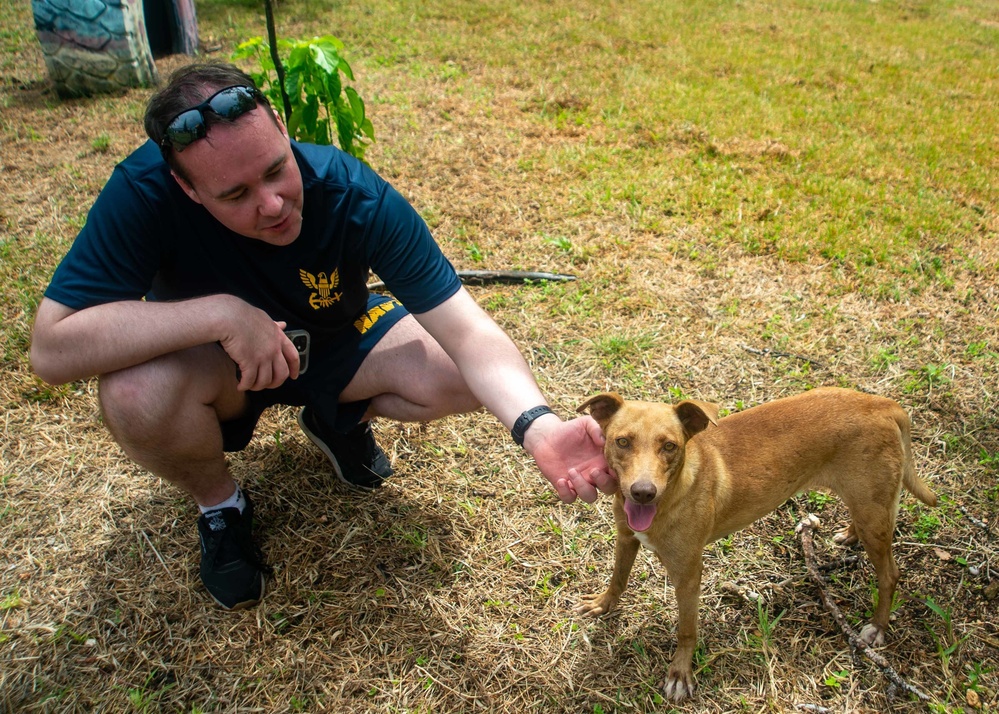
[{"x": 817, "y": 439}]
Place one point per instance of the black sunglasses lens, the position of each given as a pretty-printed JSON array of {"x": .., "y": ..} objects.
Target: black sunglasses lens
[
  {"x": 186, "y": 129},
  {"x": 230, "y": 103}
]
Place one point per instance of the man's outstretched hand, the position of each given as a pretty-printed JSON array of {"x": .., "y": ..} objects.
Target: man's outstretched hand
[{"x": 571, "y": 456}]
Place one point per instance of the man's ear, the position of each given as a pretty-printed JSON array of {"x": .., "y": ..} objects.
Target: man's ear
[
  {"x": 280, "y": 123},
  {"x": 185, "y": 187}
]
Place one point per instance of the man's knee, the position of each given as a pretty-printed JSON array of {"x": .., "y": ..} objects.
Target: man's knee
[
  {"x": 142, "y": 398},
  {"x": 131, "y": 399},
  {"x": 448, "y": 393}
]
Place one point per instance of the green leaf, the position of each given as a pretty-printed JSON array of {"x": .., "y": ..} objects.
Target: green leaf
[
  {"x": 320, "y": 103},
  {"x": 323, "y": 132},
  {"x": 248, "y": 49},
  {"x": 368, "y": 129},
  {"x": 299, "y": 57},
  {"x": 310, "y": 117},
  {"x": 326, "y": 59},
  {"x": 356, "y": 105},
  {"x": 295, "y": 121},
  {"x": 345, "y": 68},
  {"x": 331, "y": 41},
  {"x": 332, "y": 88}
]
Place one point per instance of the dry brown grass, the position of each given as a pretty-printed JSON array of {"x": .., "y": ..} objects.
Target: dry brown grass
[{"x": 451, "y": 589}]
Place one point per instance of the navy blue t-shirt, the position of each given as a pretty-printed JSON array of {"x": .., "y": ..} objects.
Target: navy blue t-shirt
[{"x": 145, "y": 238}]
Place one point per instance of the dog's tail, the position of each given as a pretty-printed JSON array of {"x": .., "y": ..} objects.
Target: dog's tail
[{"x": 915, "y": 485}]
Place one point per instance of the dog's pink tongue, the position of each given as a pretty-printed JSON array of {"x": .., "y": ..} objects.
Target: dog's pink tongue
[{"x": 639, "y": 517}]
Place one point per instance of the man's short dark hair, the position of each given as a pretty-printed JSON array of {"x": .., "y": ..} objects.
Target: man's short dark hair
[{"x": 187, "y": 87}]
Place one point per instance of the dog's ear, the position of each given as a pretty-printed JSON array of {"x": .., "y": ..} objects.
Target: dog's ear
[
  {"x": 696, "y": 415},
  {"x": 602, "y": 407}
]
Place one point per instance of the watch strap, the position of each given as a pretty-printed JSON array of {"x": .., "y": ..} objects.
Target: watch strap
[{"x": 525, "y": 420}]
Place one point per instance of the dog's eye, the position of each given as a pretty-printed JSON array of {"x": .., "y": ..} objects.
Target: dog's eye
[
  {"x": 622, "y": 442},
  {"x": 669, "y": 446}
]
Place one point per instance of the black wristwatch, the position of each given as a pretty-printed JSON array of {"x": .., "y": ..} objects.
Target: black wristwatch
[{"x": 525, "y": 420}]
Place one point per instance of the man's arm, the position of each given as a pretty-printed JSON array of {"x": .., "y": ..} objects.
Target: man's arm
[
  {"x": 70, "y": 344},
  {"x": 569, "y": 454}
]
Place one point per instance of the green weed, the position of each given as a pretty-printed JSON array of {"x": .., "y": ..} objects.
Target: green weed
[
  {"x": 946, "y": 641},
  {"x": 981, "y": 350},
  {"x": 101, "y": 143},
  {"x": 929, "y": 377},
  {"x": 562, "y": 243},
  {"x": 416, "y": 536},
  {"x": 474, "y": 252},
  {"x": 835, "y": 679},
  {"x": 817, "y": 500},
  {"x": 761, "y": 638},
  {"x": 975, "y": 672},
  {"x": 547, "y": 584},
  {"x": 143, "y": 698},
  {"x": 676, "y": 394},
  {"x": 11, "y": 601},
  {"x": 884, "y": 358},
  {"x": 63, "y": 632},
  {"x": 765, "y": 623},
  {"x": 618, "y": 348},
  {"x": 925, "y": 528}
]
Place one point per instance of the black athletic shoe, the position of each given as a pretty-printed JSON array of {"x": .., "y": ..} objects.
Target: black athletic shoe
[
  {"x": 357, "y": 460},
  {"x": 232, "y": 567}
]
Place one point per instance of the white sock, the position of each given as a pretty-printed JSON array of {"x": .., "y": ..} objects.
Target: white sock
[{"x": 236, "y": 500}]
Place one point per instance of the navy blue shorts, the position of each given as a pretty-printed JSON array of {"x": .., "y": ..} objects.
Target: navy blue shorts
[{"x": 332, "y": 365}]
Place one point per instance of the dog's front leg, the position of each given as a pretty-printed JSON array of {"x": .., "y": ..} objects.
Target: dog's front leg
[
  {"x": 686, "y": 576},
  {"x": 625, "y": 551}
]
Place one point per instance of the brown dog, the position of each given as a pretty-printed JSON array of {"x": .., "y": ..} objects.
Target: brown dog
[{"x": 688, "y": 478}]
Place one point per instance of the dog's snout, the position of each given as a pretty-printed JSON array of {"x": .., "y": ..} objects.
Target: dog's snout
[{"x": 643, "y": 491}]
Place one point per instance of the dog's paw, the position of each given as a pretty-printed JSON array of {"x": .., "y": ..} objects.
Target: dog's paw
[
  {"x": 847, "y": 536},
  {"x": 679, "y": 684},
  {"x": 872, "y": 635},
  {"x": 595, "y": 605}
]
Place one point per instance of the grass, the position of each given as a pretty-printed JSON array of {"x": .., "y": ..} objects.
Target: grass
[
  {"x": 754, "y": 198},
  {"x": 815, "y": 130}
]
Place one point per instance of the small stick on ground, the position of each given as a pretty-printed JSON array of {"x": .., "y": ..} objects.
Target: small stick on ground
[
  {"x": 766, "y": 351},
  {"x": 158, "y": 556},
  {"x": 486, "y": 277},
  {"x": 805, "y": 528}
]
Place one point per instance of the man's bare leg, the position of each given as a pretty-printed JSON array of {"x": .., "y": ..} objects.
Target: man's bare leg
[
  {"x": 166, "y": 415},
  {"x": 409, "y": 377}
]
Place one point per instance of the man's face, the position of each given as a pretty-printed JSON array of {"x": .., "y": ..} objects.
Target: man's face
[{"x": 245, "y": 175}]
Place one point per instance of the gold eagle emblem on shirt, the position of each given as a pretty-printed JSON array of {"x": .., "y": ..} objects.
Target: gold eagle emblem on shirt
[{"x": 323, "y": 287}]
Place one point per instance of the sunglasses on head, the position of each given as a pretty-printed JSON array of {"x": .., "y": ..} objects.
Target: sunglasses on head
[{"x": 189, "y": 126}]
